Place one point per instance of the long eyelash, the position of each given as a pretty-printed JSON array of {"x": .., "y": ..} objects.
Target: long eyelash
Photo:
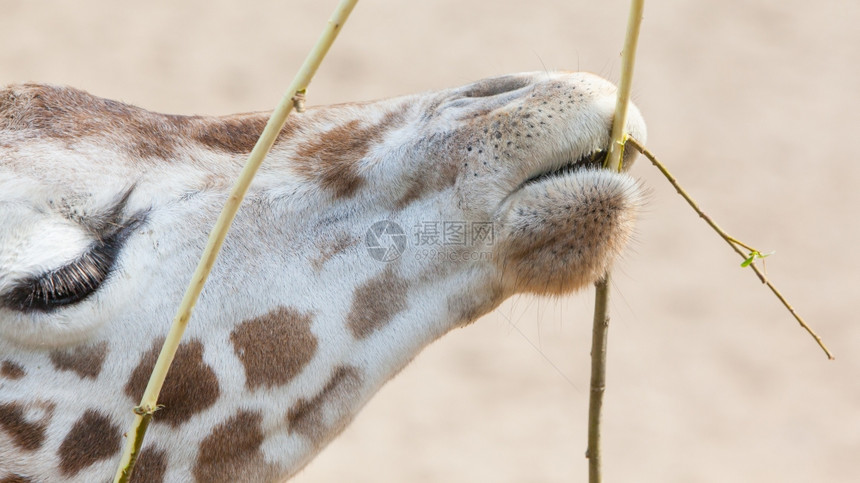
[{"x": 71, "y": 283}]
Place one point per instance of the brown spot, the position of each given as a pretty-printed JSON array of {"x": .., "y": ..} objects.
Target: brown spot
[
  {"x": 10, "y": 370},
  {"x": 190, "y": 386},
  {"x": 468, "y": 306},
  {"x": 150, "y": 467},
  {"x": 235, "y": 134},
  {"x": 436, "y": 178},
  {"x": 27, "y": 435},
  {"x": 71, "y": 115},
  {"x": 274, "y": 347},
  {"x": 341, "y": 242},
  {"x": 438, "y": 171},
  {"x": 152, "y": 135},
  {"x": 376, "y": 302},
  {"x": 333, "y": 158},
  {"x": 94, "y": 437},
  {"x": 416, "y": 190},
  {"x": 230, "y": 446},
  {"x": 86, "y": 361},
  {"x": 328, "y": 412},
  {"x": 15, "y": 478}
]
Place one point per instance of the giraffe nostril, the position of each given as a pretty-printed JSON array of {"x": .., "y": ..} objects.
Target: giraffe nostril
[{"x": 496, "y": 86}]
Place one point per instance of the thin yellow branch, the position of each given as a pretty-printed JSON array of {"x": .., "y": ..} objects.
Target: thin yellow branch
[
  {"x": 148, "y": 403},
  {"x": 733, "y": 242},
  {"x": 742, "y": 244},
  {"x": 625, "y": 87}
]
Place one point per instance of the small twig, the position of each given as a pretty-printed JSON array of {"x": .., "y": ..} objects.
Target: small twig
[
  {"x": 733, "y": 242},
  {"x": 299, "y": 101},
  {"x": 219, "y": 232},
  {"x": 738, "y": 242},
  {"x": 146, "y": 410}
]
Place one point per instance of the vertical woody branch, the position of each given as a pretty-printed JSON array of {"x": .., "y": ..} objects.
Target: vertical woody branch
[{"x": 601, "y": 302}]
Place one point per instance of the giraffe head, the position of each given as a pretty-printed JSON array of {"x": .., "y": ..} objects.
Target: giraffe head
[{"x": 371, "y": 230}]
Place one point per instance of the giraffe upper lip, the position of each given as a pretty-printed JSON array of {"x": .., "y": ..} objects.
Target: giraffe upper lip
[{"x": 590, "y": 160}]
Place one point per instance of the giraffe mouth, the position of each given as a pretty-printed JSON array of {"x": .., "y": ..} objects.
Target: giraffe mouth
[
  {"x": 563, "y": 226},
  {"x": 591, "y": 160}
]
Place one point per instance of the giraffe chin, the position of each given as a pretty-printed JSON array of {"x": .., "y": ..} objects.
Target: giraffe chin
[{"x": 563, "y": 232}]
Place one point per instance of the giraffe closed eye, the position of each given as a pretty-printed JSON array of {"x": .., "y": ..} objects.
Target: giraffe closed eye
[{"x": 71, "y": 283}]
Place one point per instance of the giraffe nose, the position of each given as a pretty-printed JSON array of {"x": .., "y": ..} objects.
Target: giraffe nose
[{"x": 496, "y": 86}]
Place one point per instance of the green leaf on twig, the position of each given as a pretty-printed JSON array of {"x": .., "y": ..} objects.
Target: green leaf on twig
[{"x": 753, "y": 256}]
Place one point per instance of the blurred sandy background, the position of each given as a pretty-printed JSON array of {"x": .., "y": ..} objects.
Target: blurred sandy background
[{"x": 754, "y": 105}]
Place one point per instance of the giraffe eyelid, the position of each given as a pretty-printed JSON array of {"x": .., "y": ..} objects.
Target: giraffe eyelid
[
  {"x": 73, "y": 282},
  {"x": 77, "y": 280}
]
